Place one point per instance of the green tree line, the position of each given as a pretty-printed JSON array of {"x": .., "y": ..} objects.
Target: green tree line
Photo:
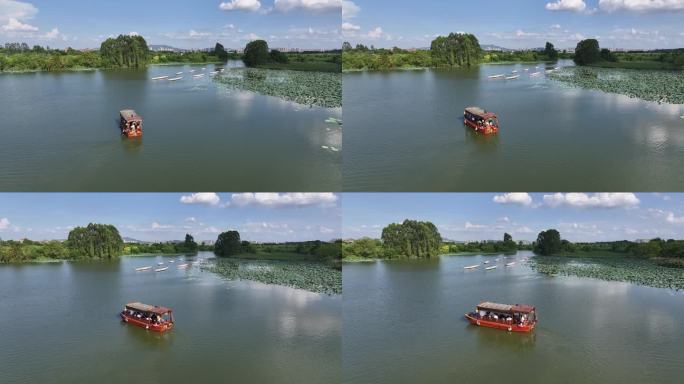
[
  {"x": 121, "y": 52},
  {"x": 229, "y": 244}
]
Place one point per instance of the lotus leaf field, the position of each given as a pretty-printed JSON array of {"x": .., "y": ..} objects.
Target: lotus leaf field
[
  {"x": 632, "y": 270},
  {"x": 311, "y": 276},
  {"x": 658, "y": 85},
  {"x": 321, "y": 89}
]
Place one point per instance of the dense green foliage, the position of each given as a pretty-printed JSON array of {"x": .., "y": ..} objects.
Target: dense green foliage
[
  {"x": 363, "y": 58},
  {"x": 220, "y": 52},
  {"x": 307, "y": 88},
  {"x": 455, "y": 50},
  {"x": 27, "y": 250},
  {"x": 125, "y": 52},
  {"x": 96, "y": 241},
  {"x": 305, "y": 61},
  {"x": 256, "y": 53},
  {"x": 122, "y": 52},
  {"x": 411, "y": 239},
  {"x": 550, "y": 52},
  {"x": 548, "y": 242},
  {"x": 228, "y": 244},
  {"x": 19, "y": 57},
  {"x": 184, "y": 57},
  {"x": 587, "y": 52}
]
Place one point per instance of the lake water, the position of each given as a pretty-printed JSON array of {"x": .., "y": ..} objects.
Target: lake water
[
  {"x": 404, "y": 132},
  {"x": 59, "y": 324},
  {"x": 403, "y": 323},
  {"x": 60, "y": 133}
]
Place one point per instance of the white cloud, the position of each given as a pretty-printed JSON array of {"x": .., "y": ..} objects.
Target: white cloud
[
  {"x": 469, "y": 225},
  {"x": 17, "y": 10},
  {"x": 375, "y": 33},
  {"x": 14, "y": 25},
  {"x": 519, "y": 198},
  {"x": 596, "y": 200},
  {"x": 157, "y": 226},
  {"x": 641, "y": 5},
  {"x": 53, "y": 34},
  {"x": 349, "y": 9},
  {"x": 208, "y": 198},
  {"x": 190, "y": 220},
  {"x": 4, "y": 223},
  {"x": 133, "y": 34},
  {"x": 241, "y": 5},
  {"x": 283, "y": 199},
  {"x": 350, "y": 27},
  {"x": 194, "y": 34},
  {"x": 567, "y": 5},
  {"x": 672, "y": 219},
  {"x": 555, "y": 26},
  {"x": 309, "y": 5}
]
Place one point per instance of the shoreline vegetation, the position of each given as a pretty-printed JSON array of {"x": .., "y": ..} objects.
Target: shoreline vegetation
[
  {"x": 656, "y": 75},
  {"x": 306, "y": 79},
  {"x": 103, "y": 242},
  {"x": 657, "y": 262}
]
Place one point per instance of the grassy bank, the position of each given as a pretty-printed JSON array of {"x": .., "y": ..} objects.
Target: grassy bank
[
  {"x": 650, "y": 64},
  {"x": 282, "y": 256},
  {"x": 304, "y": 66}
]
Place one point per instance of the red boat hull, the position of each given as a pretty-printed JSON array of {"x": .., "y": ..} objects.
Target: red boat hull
[
  {"x": 499, "y": 324},
  {"x": 480, "y": 129},
  {"x": 149, "y": 325}
]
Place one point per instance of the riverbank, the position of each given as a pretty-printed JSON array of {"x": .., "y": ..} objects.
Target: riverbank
[
  {"x": 278, "y": 256},
  {"x": 647, "y": 65},
  {"x": 304, "y": 66}
]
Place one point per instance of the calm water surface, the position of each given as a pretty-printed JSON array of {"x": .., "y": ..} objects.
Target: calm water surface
[
  {"x": 60, "y": 133},
  {"x": 404, "y": 132},
  {"x": 59, "y": 324},
  {"x": 403, "y": 323}
]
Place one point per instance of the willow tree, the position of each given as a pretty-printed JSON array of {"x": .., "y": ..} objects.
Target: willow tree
[
  {"x": 411, "y": 238},
  {"x": 96, "y": 241},
  {"x": 125, "y": 52},
  {"x": 456, "y": 50}
]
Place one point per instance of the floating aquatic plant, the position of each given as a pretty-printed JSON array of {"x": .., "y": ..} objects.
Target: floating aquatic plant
[
  {"x": 311, "y": 276},
  {"x": 633, "y": 270},
  {"x": 660, "y": 86},
  {"x": 322, "y": 89}
]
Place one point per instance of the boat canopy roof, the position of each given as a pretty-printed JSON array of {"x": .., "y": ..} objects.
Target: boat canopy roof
[
  {"x": 480, "y": 112},
  {"x": 130, "y": 115},
  {"x": 507, "y": 308},
  {"x": 148, "y": 308}
]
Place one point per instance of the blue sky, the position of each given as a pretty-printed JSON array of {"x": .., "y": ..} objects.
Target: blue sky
[
  {"x": 180, "y": 23},
  {"x": 485, "y": 216},
  {"x": 273, "y": 217},
  {"x": 635, "y": 24}
]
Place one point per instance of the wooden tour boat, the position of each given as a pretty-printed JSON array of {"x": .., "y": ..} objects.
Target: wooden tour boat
[
  {"x": 480, "y": 120},
  {"x": 151, "y": 317},
  {"x": 131, "y": 123},
  {"x": 511, "y": 318}
]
